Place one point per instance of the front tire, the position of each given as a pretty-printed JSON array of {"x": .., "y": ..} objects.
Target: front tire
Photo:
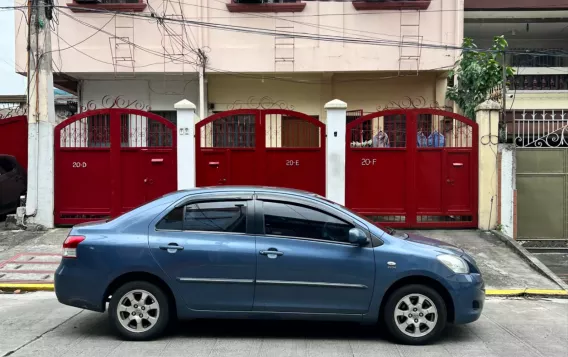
[
  {"x": 139, "y": 311},
  {"x": 415, "y": 314}
]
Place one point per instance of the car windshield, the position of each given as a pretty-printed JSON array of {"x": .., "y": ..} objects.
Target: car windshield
[{"x": 389, "y": 230}]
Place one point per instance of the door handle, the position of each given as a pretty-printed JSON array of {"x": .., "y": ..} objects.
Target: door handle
[
  {"x": 171, "y": 248},
  {"x": 272, "y": 254}
]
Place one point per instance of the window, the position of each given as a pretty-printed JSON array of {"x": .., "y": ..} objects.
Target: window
[
  {"x": 114, "y": 5},
  {"x": 235, "y": 131},
  {"x": 6, "y": 165},
  {"x": 265, "y": 6},
  {"x": 172, "y": 221},
  {"x": 284, "y": 219},
  {"x": 228, "y": 216}
]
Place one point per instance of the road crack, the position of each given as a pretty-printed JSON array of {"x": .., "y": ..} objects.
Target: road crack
[{"x": 9, "y": 353}]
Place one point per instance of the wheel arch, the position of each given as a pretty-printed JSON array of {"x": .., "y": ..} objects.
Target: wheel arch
[
  {"x": 421, "y": 280},
  {"x": 141, "y": 276}
]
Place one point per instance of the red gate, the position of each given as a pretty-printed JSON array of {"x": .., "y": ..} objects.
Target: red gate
[
  {"x": 110, "y": 161},
  {"x": 14, "y": 138},
  {"x": 274, "y": 147},
  {"x": 413, "y": 168}
]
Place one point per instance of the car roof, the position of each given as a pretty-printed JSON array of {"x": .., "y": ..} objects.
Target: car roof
[{"x": 248, "y": 188}]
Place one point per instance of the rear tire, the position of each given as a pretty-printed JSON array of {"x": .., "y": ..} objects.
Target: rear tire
[
  {"x": 139, "y": 311},
  {"x": 415, "y": 314}
]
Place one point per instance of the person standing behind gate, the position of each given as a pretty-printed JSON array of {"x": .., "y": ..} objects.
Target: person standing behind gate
[{"x": 381, "y": 140}]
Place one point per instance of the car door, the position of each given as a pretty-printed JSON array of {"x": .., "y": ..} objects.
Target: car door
[
  {"x": 305, "y": 263},
  {"x": 205, "y": 248}
]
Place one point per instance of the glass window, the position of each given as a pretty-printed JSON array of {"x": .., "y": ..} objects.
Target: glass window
[
  {"x": 284, "y": 219},
  {"x": 229, "y": 216},
  {"x": 172, "y": 221}
]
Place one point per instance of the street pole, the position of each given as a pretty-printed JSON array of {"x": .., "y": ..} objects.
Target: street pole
[
  {"x": 41, "y": 118},
  {"x": 504, "y": 90}
]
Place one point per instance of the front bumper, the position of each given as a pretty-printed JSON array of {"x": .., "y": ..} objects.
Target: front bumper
[
  {"x": 468, "y": 294},
  {"x": 79, "y": 288}
]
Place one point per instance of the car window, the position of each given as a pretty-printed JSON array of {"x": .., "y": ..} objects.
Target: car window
[
  {"x": 285, "y": 219},
  {"x": 218, "y": 216},
  {"x": 172, "y": 221},
  {"x": 5, "y": 165}
]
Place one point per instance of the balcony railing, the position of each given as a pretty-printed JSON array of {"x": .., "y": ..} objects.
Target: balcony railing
[{"x": 540, "y": 82}]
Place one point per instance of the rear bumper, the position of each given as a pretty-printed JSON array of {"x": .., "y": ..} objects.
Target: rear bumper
[
  {"x": 468, "y": 296},
  {"x": 79, "y": 288}
]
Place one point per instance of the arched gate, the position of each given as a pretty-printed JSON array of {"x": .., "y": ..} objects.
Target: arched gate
[
  {"x": 413, "y": 168},
  {"x": 273, "y": 147},
  {"x": 110, "y": 161}
]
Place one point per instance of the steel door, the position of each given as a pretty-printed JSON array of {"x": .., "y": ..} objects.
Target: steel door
[
  {"x": 457, "y": 193},
  {"x": 158, "y": 174},
  {"x": 269, "y": 147},
  {"x": 104, "y": 163},
  {"x": 215, "y": 169}
]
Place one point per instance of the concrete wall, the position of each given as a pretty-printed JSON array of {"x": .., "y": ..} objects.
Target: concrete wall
[
  {"x": 158, "y": 92},
  {"x": 94, "y": 50}
]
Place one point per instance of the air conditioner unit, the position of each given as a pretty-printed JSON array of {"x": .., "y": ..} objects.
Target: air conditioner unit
[{"x": 88, "y": 1}]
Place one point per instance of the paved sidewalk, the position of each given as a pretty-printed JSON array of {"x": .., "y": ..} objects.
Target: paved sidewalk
[
  {"x": 30, "y": 257},
  {"x": 500, "y": 265}
]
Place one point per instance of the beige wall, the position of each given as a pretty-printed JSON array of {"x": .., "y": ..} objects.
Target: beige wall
[
  {"x": 94, "y": 52},
  {"x": 535, "y": 99},
  {"x": 309, "y": 93}
]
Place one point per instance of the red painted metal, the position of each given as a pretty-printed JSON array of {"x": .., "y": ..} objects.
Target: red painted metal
[
  {"x": 14, "y": 138},
  {"x": 405, "y": 179},
  {"x": 109, "y": 161},
  {"x": 272, "y": 147}
]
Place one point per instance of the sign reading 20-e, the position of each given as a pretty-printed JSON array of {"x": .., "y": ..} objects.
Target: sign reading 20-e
[{"x": 292, "y": 162}]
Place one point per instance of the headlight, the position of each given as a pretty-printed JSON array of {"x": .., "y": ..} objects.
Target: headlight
[{"x": 455, "y": 264}]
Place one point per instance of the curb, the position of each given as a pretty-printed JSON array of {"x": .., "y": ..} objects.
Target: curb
[
  {"x": 531, "y": 259},
  {"x": 557, "y": 293},
  {"x": 27, "y": 287}
]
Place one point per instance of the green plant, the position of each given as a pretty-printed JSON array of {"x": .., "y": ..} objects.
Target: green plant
[
  {"x": 478, "y": 74},
  {"x": 499, "y": 227}
]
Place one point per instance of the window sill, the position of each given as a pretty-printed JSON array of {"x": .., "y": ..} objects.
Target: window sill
[
  {"x": 277, "y": 7},
  {"x": 130, "y": 7},
  {"x": 392, "y": 5}
]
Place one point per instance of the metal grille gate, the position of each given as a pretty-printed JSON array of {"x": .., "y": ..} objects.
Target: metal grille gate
[
  {"x": 272, "y": 147},
  {"x": 413, "y": 168},
  {"x": 110, "y": 161},
  {"x": 541, "y": 139}
]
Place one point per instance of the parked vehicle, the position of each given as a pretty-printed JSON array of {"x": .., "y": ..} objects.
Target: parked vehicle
[
  {"x": 13, "y": 184},
  {"x": 253, "y": 252}
]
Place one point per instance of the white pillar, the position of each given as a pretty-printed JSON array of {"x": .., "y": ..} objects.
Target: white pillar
[
  {"x": 335, "y": 150},
  {"x": 185, "y": 144},
  {"x": 41, "y": 122},
  {"x": 507, "y": 188}
]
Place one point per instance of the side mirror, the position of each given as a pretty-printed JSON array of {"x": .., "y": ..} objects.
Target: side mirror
[{"x": 357, "y": 236}]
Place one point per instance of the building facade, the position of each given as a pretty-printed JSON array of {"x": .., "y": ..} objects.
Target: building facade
[
  {"x": 534, "y": 153},
  {"x": 223, "y": 54}
]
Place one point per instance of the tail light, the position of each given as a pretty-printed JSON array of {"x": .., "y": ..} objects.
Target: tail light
[{"x": 70, "y": 246}]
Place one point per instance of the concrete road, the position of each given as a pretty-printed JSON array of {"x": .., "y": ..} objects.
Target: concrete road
[{"x": 35, "y": 324}]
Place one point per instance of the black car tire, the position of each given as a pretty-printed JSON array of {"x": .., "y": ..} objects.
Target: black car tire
[
  {"x": 391, "y": 306},
  {"x": 159, "y": 325}
]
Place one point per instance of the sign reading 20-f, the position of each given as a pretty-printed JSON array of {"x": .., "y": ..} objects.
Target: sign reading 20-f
[{"x": 368, "y": 162}]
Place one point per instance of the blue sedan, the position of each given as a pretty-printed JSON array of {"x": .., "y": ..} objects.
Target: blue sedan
[{"x": 254, "y": 252}]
